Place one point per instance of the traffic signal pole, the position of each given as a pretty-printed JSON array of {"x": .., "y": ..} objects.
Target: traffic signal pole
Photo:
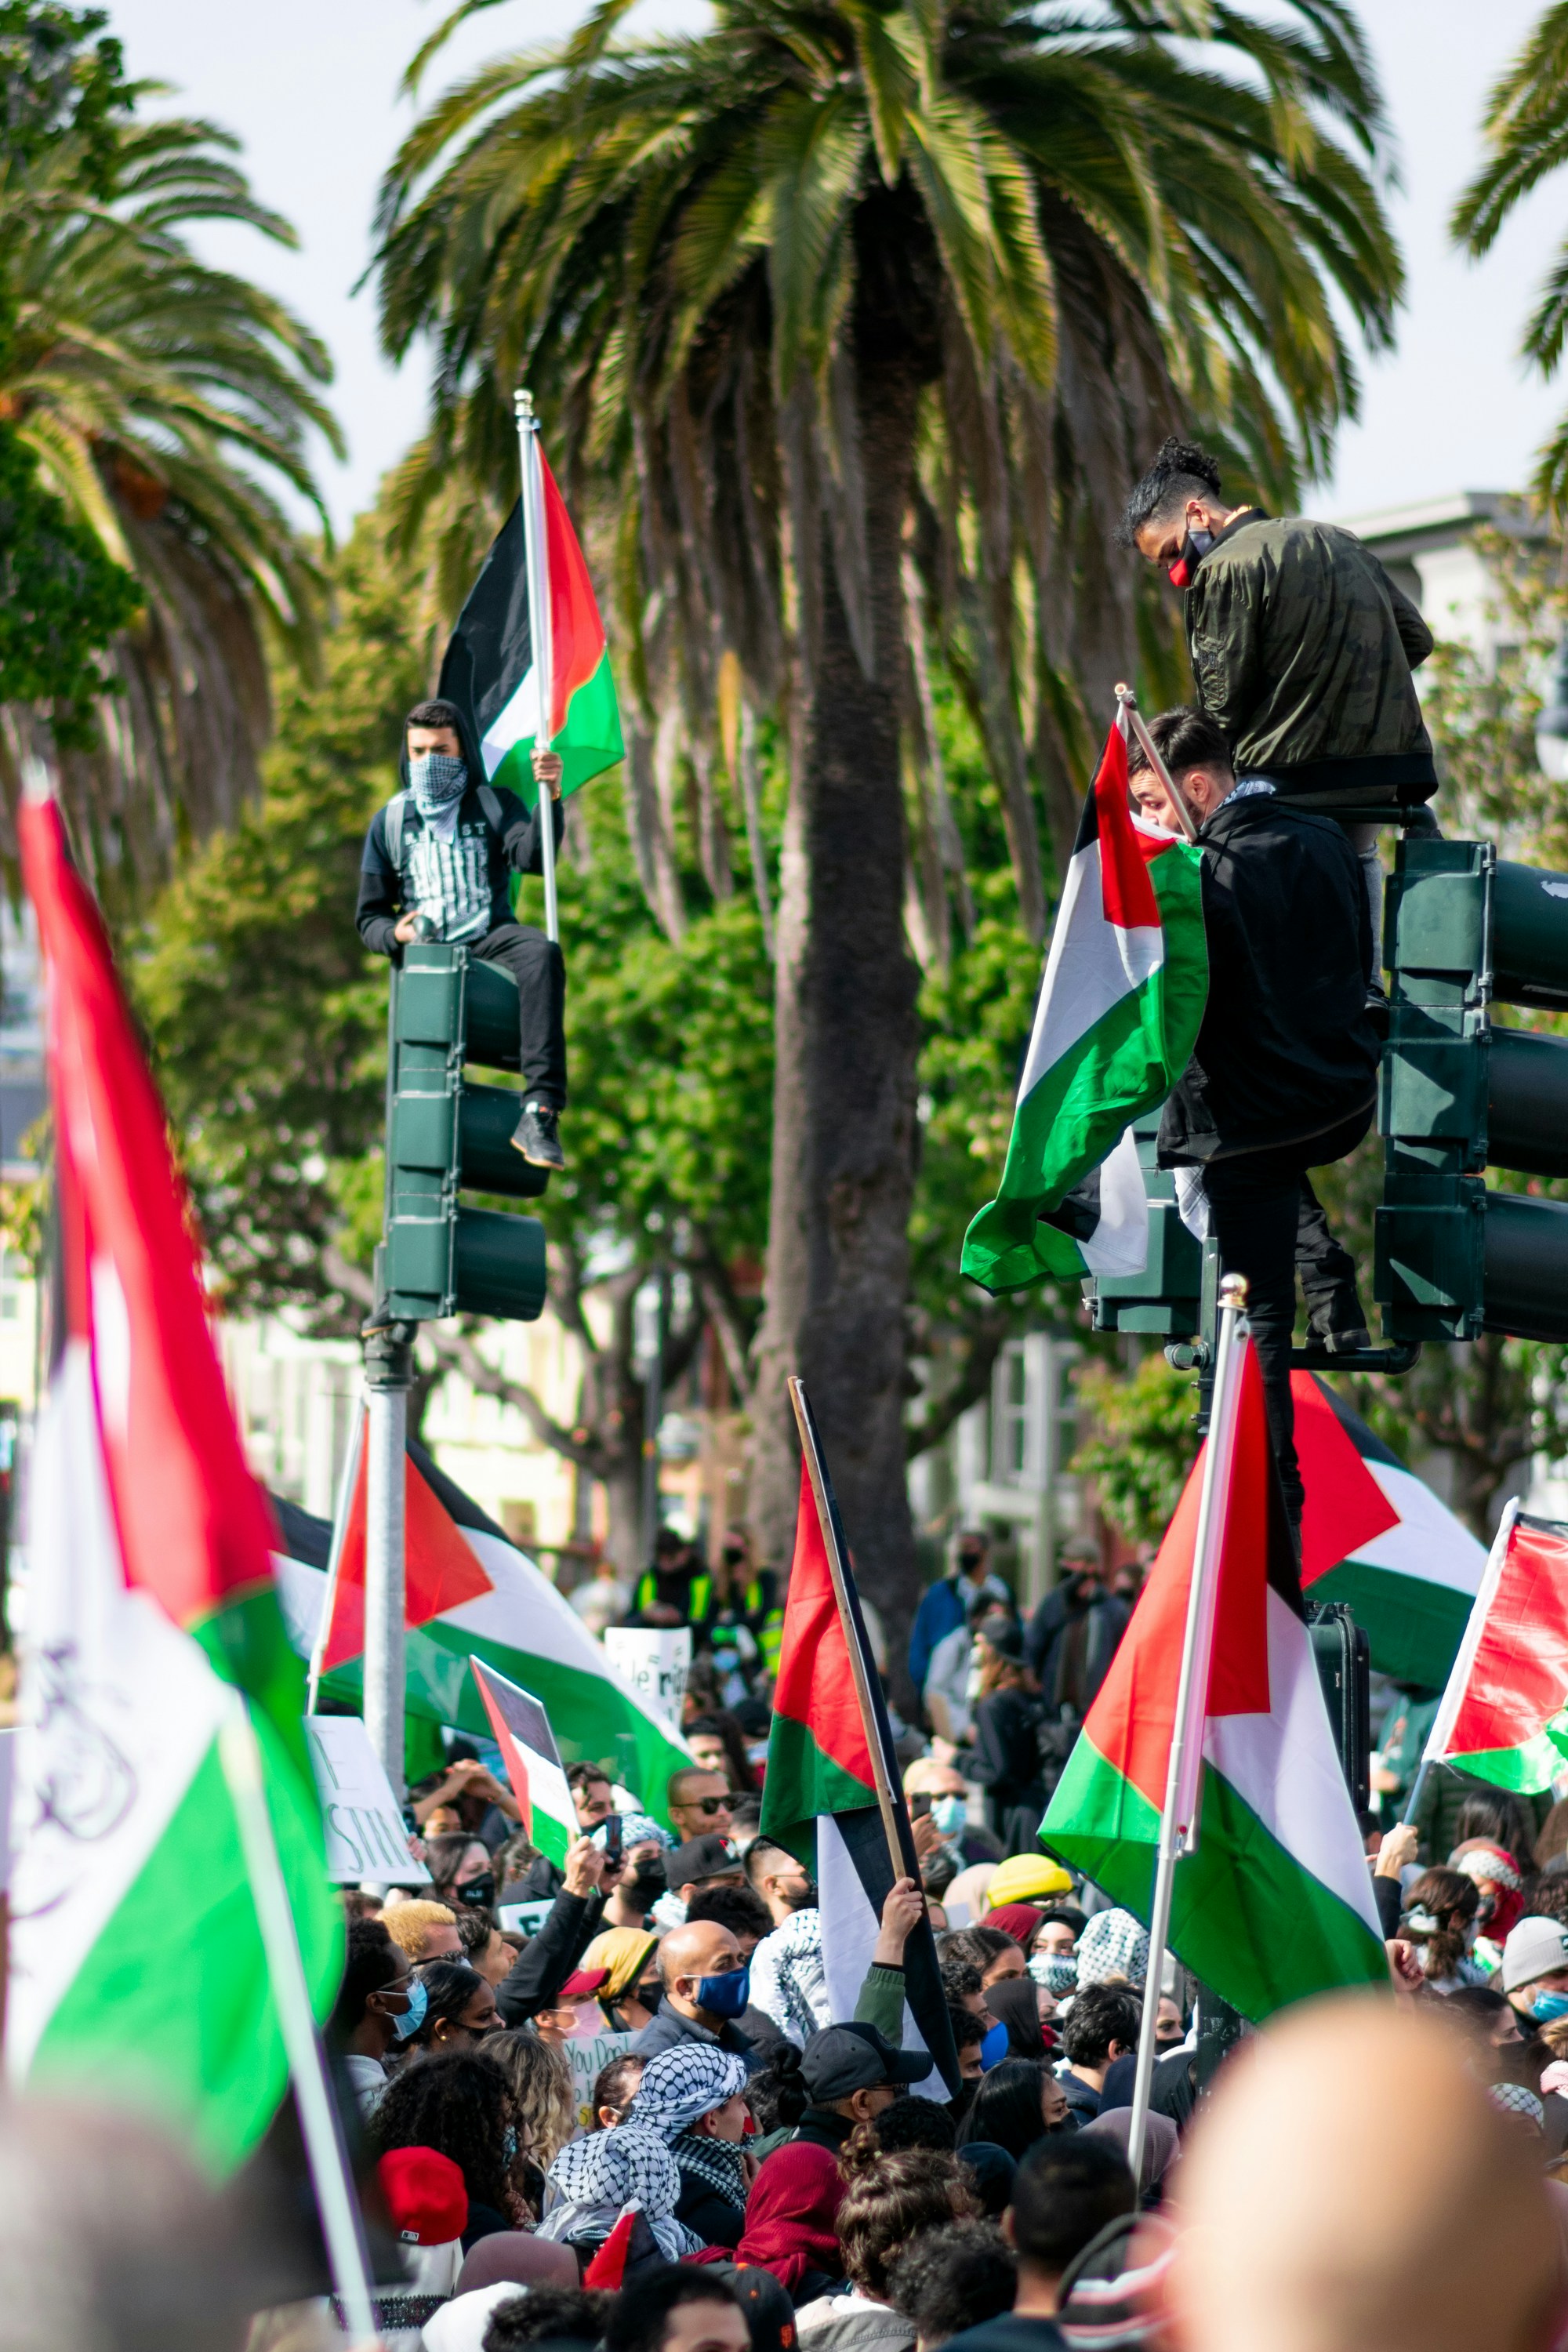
[{"x": 388, "y": 1376}]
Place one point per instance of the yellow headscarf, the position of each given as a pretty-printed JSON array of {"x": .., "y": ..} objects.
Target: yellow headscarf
[
  {"x": 1025, "y": 1878},
  {"x": 623, "y": 1951}
]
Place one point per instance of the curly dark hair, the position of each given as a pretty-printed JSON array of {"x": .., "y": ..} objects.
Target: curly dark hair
[
  {"x": 459, "y": 2102},
  {"x": 1180, "y": 471},
  {"x": 449, "y": 1987},
  {"x": 548, "y": 2314},
  {"x": 891, "y": 2200},
  {"x": 952, "y": 2278},
  {"x": 912, "y": 2123}
]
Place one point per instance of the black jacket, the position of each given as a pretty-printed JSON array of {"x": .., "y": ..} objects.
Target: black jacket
[
  {"x": 514, "y": 849},
  {"x": 1286, "y": 1050}
]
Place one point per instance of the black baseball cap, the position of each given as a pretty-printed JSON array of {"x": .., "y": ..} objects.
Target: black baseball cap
[
  {"x": 845, "y": 2058},
  {"x": 707, "y": 1856}
]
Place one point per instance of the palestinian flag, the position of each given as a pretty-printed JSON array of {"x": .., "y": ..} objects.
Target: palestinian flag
[
  {"x": 1504, "y": 1714},
  {"x": 493, "y": 664},
  {"x": 1374, "y": 1535},
  {"x": 519, "y": 1624},
  {"x": 1123, "y": 995},
  {"x": 1274, "y": 1904},
  {"x": 532, "y": 1761},
  {"x": 819, "y": 1793},
  {"x": 151, "y": 1617}
]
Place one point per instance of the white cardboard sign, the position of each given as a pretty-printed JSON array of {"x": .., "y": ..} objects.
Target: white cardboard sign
[
  {"x": 654, "y": 1661},
  {"x": 365, "y": 1837}
]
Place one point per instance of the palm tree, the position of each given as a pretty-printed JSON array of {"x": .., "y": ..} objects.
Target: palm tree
[
  {"x": 1526, "y": 128},
  {"x": 856, "y": 317},
  {"x": 166, "y": 403}
]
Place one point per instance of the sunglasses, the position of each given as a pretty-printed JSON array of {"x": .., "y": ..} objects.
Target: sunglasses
[{"x": 708, "y": 1806}]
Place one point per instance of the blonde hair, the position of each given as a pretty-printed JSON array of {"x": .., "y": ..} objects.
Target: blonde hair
[
  {"x": 406, "y": 1923},
  {"x": 540, "y": 2080}
]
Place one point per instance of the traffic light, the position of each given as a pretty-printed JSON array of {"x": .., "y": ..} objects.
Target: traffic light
[
  {"x": 1459, "y": 1093},
  {"x": 1177, "y": 1292},
  {"x": 444, "y": 1136}
]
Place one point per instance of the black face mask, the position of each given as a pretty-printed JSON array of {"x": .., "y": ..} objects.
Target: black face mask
[
  {"x": 643, "y": 1887},
  {"x": 479, "y": 1893}
]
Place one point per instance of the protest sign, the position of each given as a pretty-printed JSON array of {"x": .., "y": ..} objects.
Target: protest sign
[
  {"x": 366, "y": 1840},
  {"x": 588, "y": 2054},
  {"x": 653, "y": 1661}
]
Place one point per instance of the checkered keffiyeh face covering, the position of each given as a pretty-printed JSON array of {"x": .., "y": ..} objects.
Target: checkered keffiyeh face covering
[
  {"x": 1057, "y": 1971},
  {"x": 682, "y": 2085},
  {"x": 436, "y": 780},
  {"x": 1113, "y": 1944}
]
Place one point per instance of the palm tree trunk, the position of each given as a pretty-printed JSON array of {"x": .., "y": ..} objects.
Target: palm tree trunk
[{"x": 846, "y": 1042}]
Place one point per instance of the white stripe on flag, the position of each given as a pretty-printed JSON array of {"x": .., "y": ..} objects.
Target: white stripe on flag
[
  {"x": 1106, "y": 965},
  {"x": 1284, "y": 1766},
  {"x": 1429, "y": 1543},
  {"x": 1120, "y": 1242},
  {"x": 849, "y": 1930},
  {"x": 516, "y": 722}
]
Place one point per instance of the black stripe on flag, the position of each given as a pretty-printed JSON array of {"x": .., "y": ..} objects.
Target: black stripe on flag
[
  {"x": 522, "y": 1716},
  {"x": 491, "y": 651}
]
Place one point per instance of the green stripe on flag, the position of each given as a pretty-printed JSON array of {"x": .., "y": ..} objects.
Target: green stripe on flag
[
  {"x": 590, "y": 742},
  {"x": 1245, "y": 1915},
  {"x": 1529, "y": 1769},
  {"x": 802, "y": 1781},
  {"x": 185, "y": 2023},
  {"x": 1414, "y": 1627}
]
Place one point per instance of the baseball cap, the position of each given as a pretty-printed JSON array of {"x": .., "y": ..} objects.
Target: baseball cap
[
  {"x": 425, "y": 2195},
  {"x": 707, "y": 1856},
  {"x": 843, "y": 2058},
  {"x": 1535, "y": 1948},
  {"x": 582, "y": 1982}
]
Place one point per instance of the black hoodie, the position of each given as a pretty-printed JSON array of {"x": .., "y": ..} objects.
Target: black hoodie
[{"x": 515, "y": 848}]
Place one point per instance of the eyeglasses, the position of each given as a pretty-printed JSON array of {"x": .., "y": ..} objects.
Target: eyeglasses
[{"x": 708, "y": 1806}]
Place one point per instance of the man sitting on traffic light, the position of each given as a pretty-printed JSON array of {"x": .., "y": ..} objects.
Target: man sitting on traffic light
[
  {"x": 436, "y": 864},
  {"x": 1283, "y": 1077}
]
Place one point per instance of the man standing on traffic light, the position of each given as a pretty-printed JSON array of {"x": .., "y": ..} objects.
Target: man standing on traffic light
[
  {"x": 1302, "y": 647},
  {"x": 1283, "y": 1076},
  {"x": 436, "y": 865}
]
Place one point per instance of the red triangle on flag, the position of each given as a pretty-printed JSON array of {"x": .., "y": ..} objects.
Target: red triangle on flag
[
  {"x": 816, "y": 1684},
  {"x": 441, "y": 1570},
  {"x": 608, "y": 2267},
  {"x": 1345, "y": 1506}
]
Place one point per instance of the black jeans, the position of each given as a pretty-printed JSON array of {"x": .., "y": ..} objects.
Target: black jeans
[
  {"x": 536, "y": 965},
  {"x": 1257, "y": 1203}
]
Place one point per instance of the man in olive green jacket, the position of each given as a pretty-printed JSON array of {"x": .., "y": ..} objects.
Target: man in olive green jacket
[{"x": 1302, "y": 648}]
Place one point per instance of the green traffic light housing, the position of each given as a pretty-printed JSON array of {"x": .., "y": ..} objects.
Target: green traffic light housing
[{"x": 445, "y": 1135}]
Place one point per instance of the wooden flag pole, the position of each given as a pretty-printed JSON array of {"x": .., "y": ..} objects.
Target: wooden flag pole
[
  {"x": 536, "y": 559},
  {"x": 1129, "y": 702},
  {"x": 1184, "y": 1776},
  {"x": 828, "y": 1520}
]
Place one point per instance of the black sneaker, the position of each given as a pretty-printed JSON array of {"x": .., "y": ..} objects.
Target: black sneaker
[
  {"x": 537, "y": 1136},
  {"x": 1348, "y": 1343}
]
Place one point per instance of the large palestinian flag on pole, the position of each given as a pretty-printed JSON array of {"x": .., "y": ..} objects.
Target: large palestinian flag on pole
[
  {"x": 1275, "y": 1905},
  {"x": 137, "y": 1965},
  {"x": 492, "y": 672},
  {"x": 1504, "y": 1714},
  {"x": 516, "y": 1622},
  {"x": 1374, "y": 1535},
  {"x": 819, "y": 1795},
  {"x": 1122, "y": 998}
]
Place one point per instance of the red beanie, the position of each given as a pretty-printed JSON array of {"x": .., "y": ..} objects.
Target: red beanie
[{"x": 425, "y": 2195}]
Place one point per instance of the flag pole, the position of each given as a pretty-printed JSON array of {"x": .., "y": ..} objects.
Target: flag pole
[
  {"x": 1184, "y": 1777},
  {"x": 828, "y": 1520},
  {"x": 539, "y": 629},
  {"x": 1128, "y": 703},
  {"x": 1465, "y": 1655},
  {"x": 335, "y": 2202}
]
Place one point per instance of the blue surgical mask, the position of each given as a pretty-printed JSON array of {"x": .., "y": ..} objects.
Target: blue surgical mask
[
  {"x": 413, "y": 2017},
  {"x": 949, "y": 1814},
  {"x": 993, "y": 2048},
  {"x": 725, "y": 1996},
  {"x": 1548, "y": 2005}
]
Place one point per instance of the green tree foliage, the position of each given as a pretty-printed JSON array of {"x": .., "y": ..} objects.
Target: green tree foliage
[
  {"x": 165, "y": 404},
  {"x": 1143, "y": 1445},
  {"x": 61, "y": 600}
]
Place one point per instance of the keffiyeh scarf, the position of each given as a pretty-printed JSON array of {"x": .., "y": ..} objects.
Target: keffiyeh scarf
[
  {"x": 641, "y": 1829},
  {"x": 1113, "y": 1944},
  {"x": 682, "y": 2085},
  {"x": 438, "y": 781},
  {"x": 1057, "y": 1971},
  {"x": 593, "y": 2181},
  {"x": 789, "y": 1981},
  {"x": 718, "y": 2164}
]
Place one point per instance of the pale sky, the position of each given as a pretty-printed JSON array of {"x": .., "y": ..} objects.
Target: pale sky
[{"x": 311, "y": 88}]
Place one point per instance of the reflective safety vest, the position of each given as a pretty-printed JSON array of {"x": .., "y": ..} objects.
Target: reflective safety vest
[{"x": 646, "y": 1593}]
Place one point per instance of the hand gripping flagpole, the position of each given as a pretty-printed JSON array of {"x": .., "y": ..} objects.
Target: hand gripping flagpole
[
  {"x": 1184, "y": 1778},
  {"x": 1128, "y": 703},
  {"x": 537, "y": 560}
]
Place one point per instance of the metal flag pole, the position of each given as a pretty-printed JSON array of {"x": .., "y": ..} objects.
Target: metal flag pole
[
  {"x": 388, "y": 1376},
  {"x": 828, "y": 1520},
  {"x": 1184, "y": 1778},
  {"x": 241, "y": 1765},
  {"x": 533, "y": 543},
  {"x": 1465, "y": 1656},
  {"x": 1129, "y": 702}
]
